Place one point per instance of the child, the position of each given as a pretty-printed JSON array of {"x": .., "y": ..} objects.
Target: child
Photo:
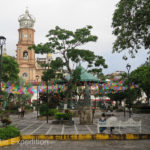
[{"x": 102, "y": 120}]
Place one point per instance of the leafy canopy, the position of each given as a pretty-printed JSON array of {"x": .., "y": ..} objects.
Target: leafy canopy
[
  {"x": 131, "y": 26},
  {"x": 141, "y": 76},
  {"x": 10, "y": 69},
  {"x": 66, "y": 44}
]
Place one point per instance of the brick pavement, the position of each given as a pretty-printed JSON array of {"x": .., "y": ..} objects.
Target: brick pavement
[{"x": 30, "y": 125}]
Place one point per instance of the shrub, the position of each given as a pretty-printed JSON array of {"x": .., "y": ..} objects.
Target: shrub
[
  {"x": 43, "y": 109},
  {"x": 143, "y": 108},
  {"x": 63, "y": 116},
  {"x": 6, "y": 121},
  {"x": 1, "y": 110},
  {"x": 9, "y": 132},
  {"x": 120, "y": 109},
  {"x": 28, "y": 107},
  {"x": 52, "y": 112},
  {"x": 34, "y": 103}
]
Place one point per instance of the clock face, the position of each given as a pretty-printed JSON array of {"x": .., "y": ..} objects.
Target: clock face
[{"x": 25, "y": 35}]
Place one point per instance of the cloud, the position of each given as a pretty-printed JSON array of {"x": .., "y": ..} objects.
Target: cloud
[{"x": 68, "y": 14}]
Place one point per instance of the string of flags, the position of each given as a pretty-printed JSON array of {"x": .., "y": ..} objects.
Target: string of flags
[{"x": 101, "y": 88}]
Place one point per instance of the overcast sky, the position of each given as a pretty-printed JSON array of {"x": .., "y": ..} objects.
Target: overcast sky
[{"x": 68, "y": 14}]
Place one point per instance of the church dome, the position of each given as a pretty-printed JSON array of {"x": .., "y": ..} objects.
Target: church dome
[{"x": 26, "y": 20}]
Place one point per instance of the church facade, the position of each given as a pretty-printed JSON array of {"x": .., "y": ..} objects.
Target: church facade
[{"x": 29, "y": 65}]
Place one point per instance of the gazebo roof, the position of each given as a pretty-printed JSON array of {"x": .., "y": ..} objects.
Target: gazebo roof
[{"x": 85, "y": 76}]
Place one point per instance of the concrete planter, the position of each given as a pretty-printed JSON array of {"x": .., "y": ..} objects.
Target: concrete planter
[
  {"x": 45, "y": 117},
  {"x": 66, "y": 122}
]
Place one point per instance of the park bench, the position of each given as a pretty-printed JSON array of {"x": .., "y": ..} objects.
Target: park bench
[{"x": 120, "y": 124}]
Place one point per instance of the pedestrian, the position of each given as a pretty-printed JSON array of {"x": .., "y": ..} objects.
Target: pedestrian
[
  {"x": 111, "y": 108},
  {"x": 19, "y": 112},
  {"x": 106, "y": 106},
  {"x": 22, "y": 111},
  {"x": 93, "y": 112},
  {"x": 112, "y": 119},
  {"x": 102, "y": 120}
]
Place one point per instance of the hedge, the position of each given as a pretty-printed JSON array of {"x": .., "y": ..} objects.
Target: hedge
[
  {"x": 9, "y": 132},
  {"x": 63, "y": 116},
  {"x": 141, "y": 108},
  {"x": 43, "y": 111}
]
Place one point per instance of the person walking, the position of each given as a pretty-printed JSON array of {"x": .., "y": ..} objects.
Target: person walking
[
  {"x": 22, "y": 111},
  {"x": 19, "y": 112}
]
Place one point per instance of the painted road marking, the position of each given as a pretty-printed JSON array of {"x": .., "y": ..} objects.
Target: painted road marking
[
  {"x": 76, "y": 129},
  {"x": 38, "y": 128},
  {"x": 28, "y": 126},
  {"x": 62, "y": 131},
  {"x": 49, "y": 130},
  {"x": 89, "y": 129}
]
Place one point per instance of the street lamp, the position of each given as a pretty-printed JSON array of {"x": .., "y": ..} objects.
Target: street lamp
[
  {"x": 148, "y": 60},
  {"x": 2, "y": 43},
  {"x": 47, "y": 92},
  {"x": 37, "y": 78},
  {"x": 128, "y": 66}
]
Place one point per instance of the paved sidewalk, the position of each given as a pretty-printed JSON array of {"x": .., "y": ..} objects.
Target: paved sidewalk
[{"x": 30, "y": 125}]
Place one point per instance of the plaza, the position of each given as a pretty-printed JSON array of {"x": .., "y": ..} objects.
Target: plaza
[
  {"x": 70, "y": 91},
  {"x": 31, "y": 125}
]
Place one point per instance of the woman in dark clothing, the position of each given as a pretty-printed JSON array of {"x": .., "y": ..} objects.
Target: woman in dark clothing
[{"x": 22, "y": 111}]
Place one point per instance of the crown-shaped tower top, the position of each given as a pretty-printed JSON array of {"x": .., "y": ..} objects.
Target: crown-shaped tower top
[{"x": 26, "y": 20}]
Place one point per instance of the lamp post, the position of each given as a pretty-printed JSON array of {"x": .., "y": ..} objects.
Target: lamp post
[
  {"x": 37, "y": 78},
  {"x": 2, "y": 43},
  {"x": 148, "y": 60},
  {"x": 128, "y": 66},
  {"x": 47, "y": 92}
]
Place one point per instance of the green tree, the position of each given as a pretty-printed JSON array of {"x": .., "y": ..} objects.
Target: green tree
[
  {"x": 131, "y": 25},
  {"x": 67, "y": 45},
  {"x": 10, "y": 69},
  {"x": 22, "y": 99},
  {"x": 129, "y": 95},
  {"x": 141, "y": 76},
  {"x": 118, "y": 97}
]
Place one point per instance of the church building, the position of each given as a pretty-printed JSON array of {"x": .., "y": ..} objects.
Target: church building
[{"x": 29, "y": 66}]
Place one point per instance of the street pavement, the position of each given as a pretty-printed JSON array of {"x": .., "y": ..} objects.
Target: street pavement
[
  {"x": 31, "y": 125},
  {"x": 81, "y": 145}
]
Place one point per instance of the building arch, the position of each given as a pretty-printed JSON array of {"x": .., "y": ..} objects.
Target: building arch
[
  {"x": 24, "y": 75},
  {"x": 25, "y": 54}
]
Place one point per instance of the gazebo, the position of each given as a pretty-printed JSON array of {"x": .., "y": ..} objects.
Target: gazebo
[
  {"x": 86, "y": 113},
  {"x": 85, "y": 76}
]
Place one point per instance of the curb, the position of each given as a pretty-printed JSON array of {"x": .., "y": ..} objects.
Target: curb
[
  {"x": 10, "y": 141},
  {"x": 88, "y": 137},
  {"x": 77, "y": 137}
]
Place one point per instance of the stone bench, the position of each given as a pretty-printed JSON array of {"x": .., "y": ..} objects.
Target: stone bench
[{"x": 129, "y": 123}]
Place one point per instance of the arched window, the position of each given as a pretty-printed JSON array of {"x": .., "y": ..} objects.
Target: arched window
[
  {"x": 21, "y": 36},
  {"x": 30, "y": 37},
  {"x": 25, "y": 55},
  {"x": 24, "y": 75}
]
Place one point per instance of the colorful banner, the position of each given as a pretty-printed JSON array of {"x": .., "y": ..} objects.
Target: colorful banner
[{"x": 100, "y": 88}]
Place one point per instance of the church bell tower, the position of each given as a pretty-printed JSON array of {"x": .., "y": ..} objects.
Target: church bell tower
[{"x": 25, "y": 57}]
